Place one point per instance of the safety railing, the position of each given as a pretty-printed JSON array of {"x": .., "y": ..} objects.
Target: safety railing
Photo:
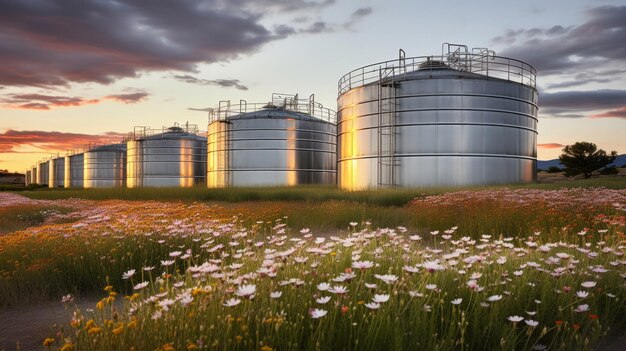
[
  {"x": 480, "y": 61},
  {"x": 286, "y": 102},
  {"x": 142, "y": 132}
]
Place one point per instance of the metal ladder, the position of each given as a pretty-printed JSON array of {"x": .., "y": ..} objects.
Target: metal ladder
[
  {"x": 386, "y": 127},
  {"x": 223, "y": 153}
]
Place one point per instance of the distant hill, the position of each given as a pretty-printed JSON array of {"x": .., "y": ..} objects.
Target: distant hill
[{"x": 619, "y": 161}]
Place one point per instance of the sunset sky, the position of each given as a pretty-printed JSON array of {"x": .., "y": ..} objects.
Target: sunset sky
[{"x": 74, "y": 72}]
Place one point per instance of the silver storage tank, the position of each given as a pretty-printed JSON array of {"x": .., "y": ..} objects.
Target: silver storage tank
[
  {"x": 27, "y": 178},
  {"x": 168, "y": 157},
  {"x": 33, "y": 175},
  {"x": 56, "y": 168},
  {"x": 74, "y": 170},
  {"x": 105, "y": 166},
  {"x": 462, "y": 118},
  {"x": 286, "y": 142},
  {"x": 43, "y": 176}
]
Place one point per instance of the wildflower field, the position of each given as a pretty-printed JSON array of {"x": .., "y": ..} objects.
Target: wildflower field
[{"x": 487, "y": 269}]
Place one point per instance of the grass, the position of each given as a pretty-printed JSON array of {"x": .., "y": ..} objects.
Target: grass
[
  {"x": 500, "y": 232},
  {"x": 18, "y": 217},
  {"x": 382, "y": 197}
]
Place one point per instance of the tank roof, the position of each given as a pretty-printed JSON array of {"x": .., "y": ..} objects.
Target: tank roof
[
  {"x": 281, "y": 106},
  {"x": 109, "y": 147},
  {"x": 175, "y": 132},
  {"x": 479, "y": 62}
]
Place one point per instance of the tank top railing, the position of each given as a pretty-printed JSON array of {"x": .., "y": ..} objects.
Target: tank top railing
[
  {"x": 279, "y": 102},
  {"x": 483, "y": 62}
]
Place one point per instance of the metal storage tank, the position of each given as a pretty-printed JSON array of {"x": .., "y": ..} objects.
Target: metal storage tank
[
  {"x": 74, "y": 170},
  {"x": 33, "y": 175},
  {"x": 285, "y": 142},
  {"x": 43, "y": 176},
  {"x": 56, "y": 168},
  {"x": 462, "y": 118},
  {"x": 167, "y": 157},
  {"x": 27, "y": 178},
  {"x": 105, "y": 166}
]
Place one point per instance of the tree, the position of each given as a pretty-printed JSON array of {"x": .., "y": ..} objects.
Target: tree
[{"x": 584, "y": 158}]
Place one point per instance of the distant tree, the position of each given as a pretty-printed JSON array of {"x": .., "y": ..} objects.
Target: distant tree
[
  {"x": 554, "y": 169},
  {"x": 584, "y": 158}
]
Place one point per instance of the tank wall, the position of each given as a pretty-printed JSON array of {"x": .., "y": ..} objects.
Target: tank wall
[
  {"x": 43, "y": 177},
  {"x": 271, "y": 152},
  {"x": 104, "y": 168},
  {"x": 447, "y": 132},
  {"x": 33, "y": 175},
  {"x": 74, "y": 171},
  {"x": 27, "y": 178},
  {"x": 166, "y": 162},
  {"x": 56, "y": 172}
]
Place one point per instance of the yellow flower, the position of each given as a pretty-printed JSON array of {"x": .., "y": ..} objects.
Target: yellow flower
[
  {"x": 90, "y": 323},
  {"x": 266, "y": 348},
  {"x": 108, "y": 288},
  {"x": 67, "y": 347},
  {"x": 168, "y": 347},
  {"x": 238, "y": 338},
  {"x": 100, "y": 304},
  {"x": 94, "y": 330},
  {"x": 48, "y": 341},
  {"x": 119, "y": 330},
  {"x": 132, "y": 324},
  {"x": 191, "y": 346}
]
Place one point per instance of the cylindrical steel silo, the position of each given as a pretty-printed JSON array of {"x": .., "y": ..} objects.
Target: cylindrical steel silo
[
  {"x": 27, "y": 178},
  {"x": 43, "y": 176},
  {"x": 56, "y": 167},
  {"x": 286, "y": 142},
  {"x": 33, "y": 175},
  {"x": 105, "y": 166},
  {"x": 462, "y": 118},
  {"x": 168, "y": 157},
  {"x": 74, "y": 171}
]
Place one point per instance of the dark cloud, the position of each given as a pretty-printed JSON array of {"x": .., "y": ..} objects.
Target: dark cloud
[
  {"x": 573, "y": 104},
  {"x": 551, "y": 146},
  {"x": 619, "y": 113},
  {"x": 206, "y": 109},
  {"x": 43, "y": 102},
  {"x": 584, "y": 100},
  {"x": 357, "y": 16},
  {"x": 225, "y": 83},
  {"x": 54, "y": 42},
  {"x": 598, "y": 42},
  {"x": 317, "y": 27},
  {"x": 129, "y": 98},
  {"x": 574, "y": 83},
  {"x": 12, "y": 140},
  {"x": 47, "y": 102}
]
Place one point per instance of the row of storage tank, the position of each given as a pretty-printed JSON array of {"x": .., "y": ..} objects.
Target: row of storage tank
[{"x": 462, "y": 118}]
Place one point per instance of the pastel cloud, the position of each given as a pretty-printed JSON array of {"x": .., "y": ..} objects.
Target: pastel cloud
[{"x": 12, "y": 140}]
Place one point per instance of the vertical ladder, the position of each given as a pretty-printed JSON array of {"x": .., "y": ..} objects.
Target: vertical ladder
[
  {"x": 386, "y": 127},
  {"x": 223, "y": 152}
]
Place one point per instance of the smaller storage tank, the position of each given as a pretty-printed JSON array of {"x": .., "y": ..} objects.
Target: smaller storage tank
[
  {"x": 27, "y": 178},
  {"x": 105, "y": 166},
  {"x": 43, "y": 176},
  {"x": 33, "y": 175},
  {"x": 285, "y": 142},
  {"x": 167, "y": 157},
  {"x": 74, "y": 171},
  {"x": 56, "y": 172}
]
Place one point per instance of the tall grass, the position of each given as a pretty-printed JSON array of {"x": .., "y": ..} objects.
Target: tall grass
[{"x": 382, "y": 197}]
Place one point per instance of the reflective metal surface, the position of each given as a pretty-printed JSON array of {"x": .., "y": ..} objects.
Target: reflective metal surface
[
  {"x": 33, "y": 175},
  {"x": 437, "y": 127},
  {"x": 42, "y": 173},
  {"x": 271, "y": 147},
  {"x": 175, "y": 158},
  {"x": 56, "y": 172},
  {"x": 74, "y": 171},
  {"x": 105, "y": 166}
]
